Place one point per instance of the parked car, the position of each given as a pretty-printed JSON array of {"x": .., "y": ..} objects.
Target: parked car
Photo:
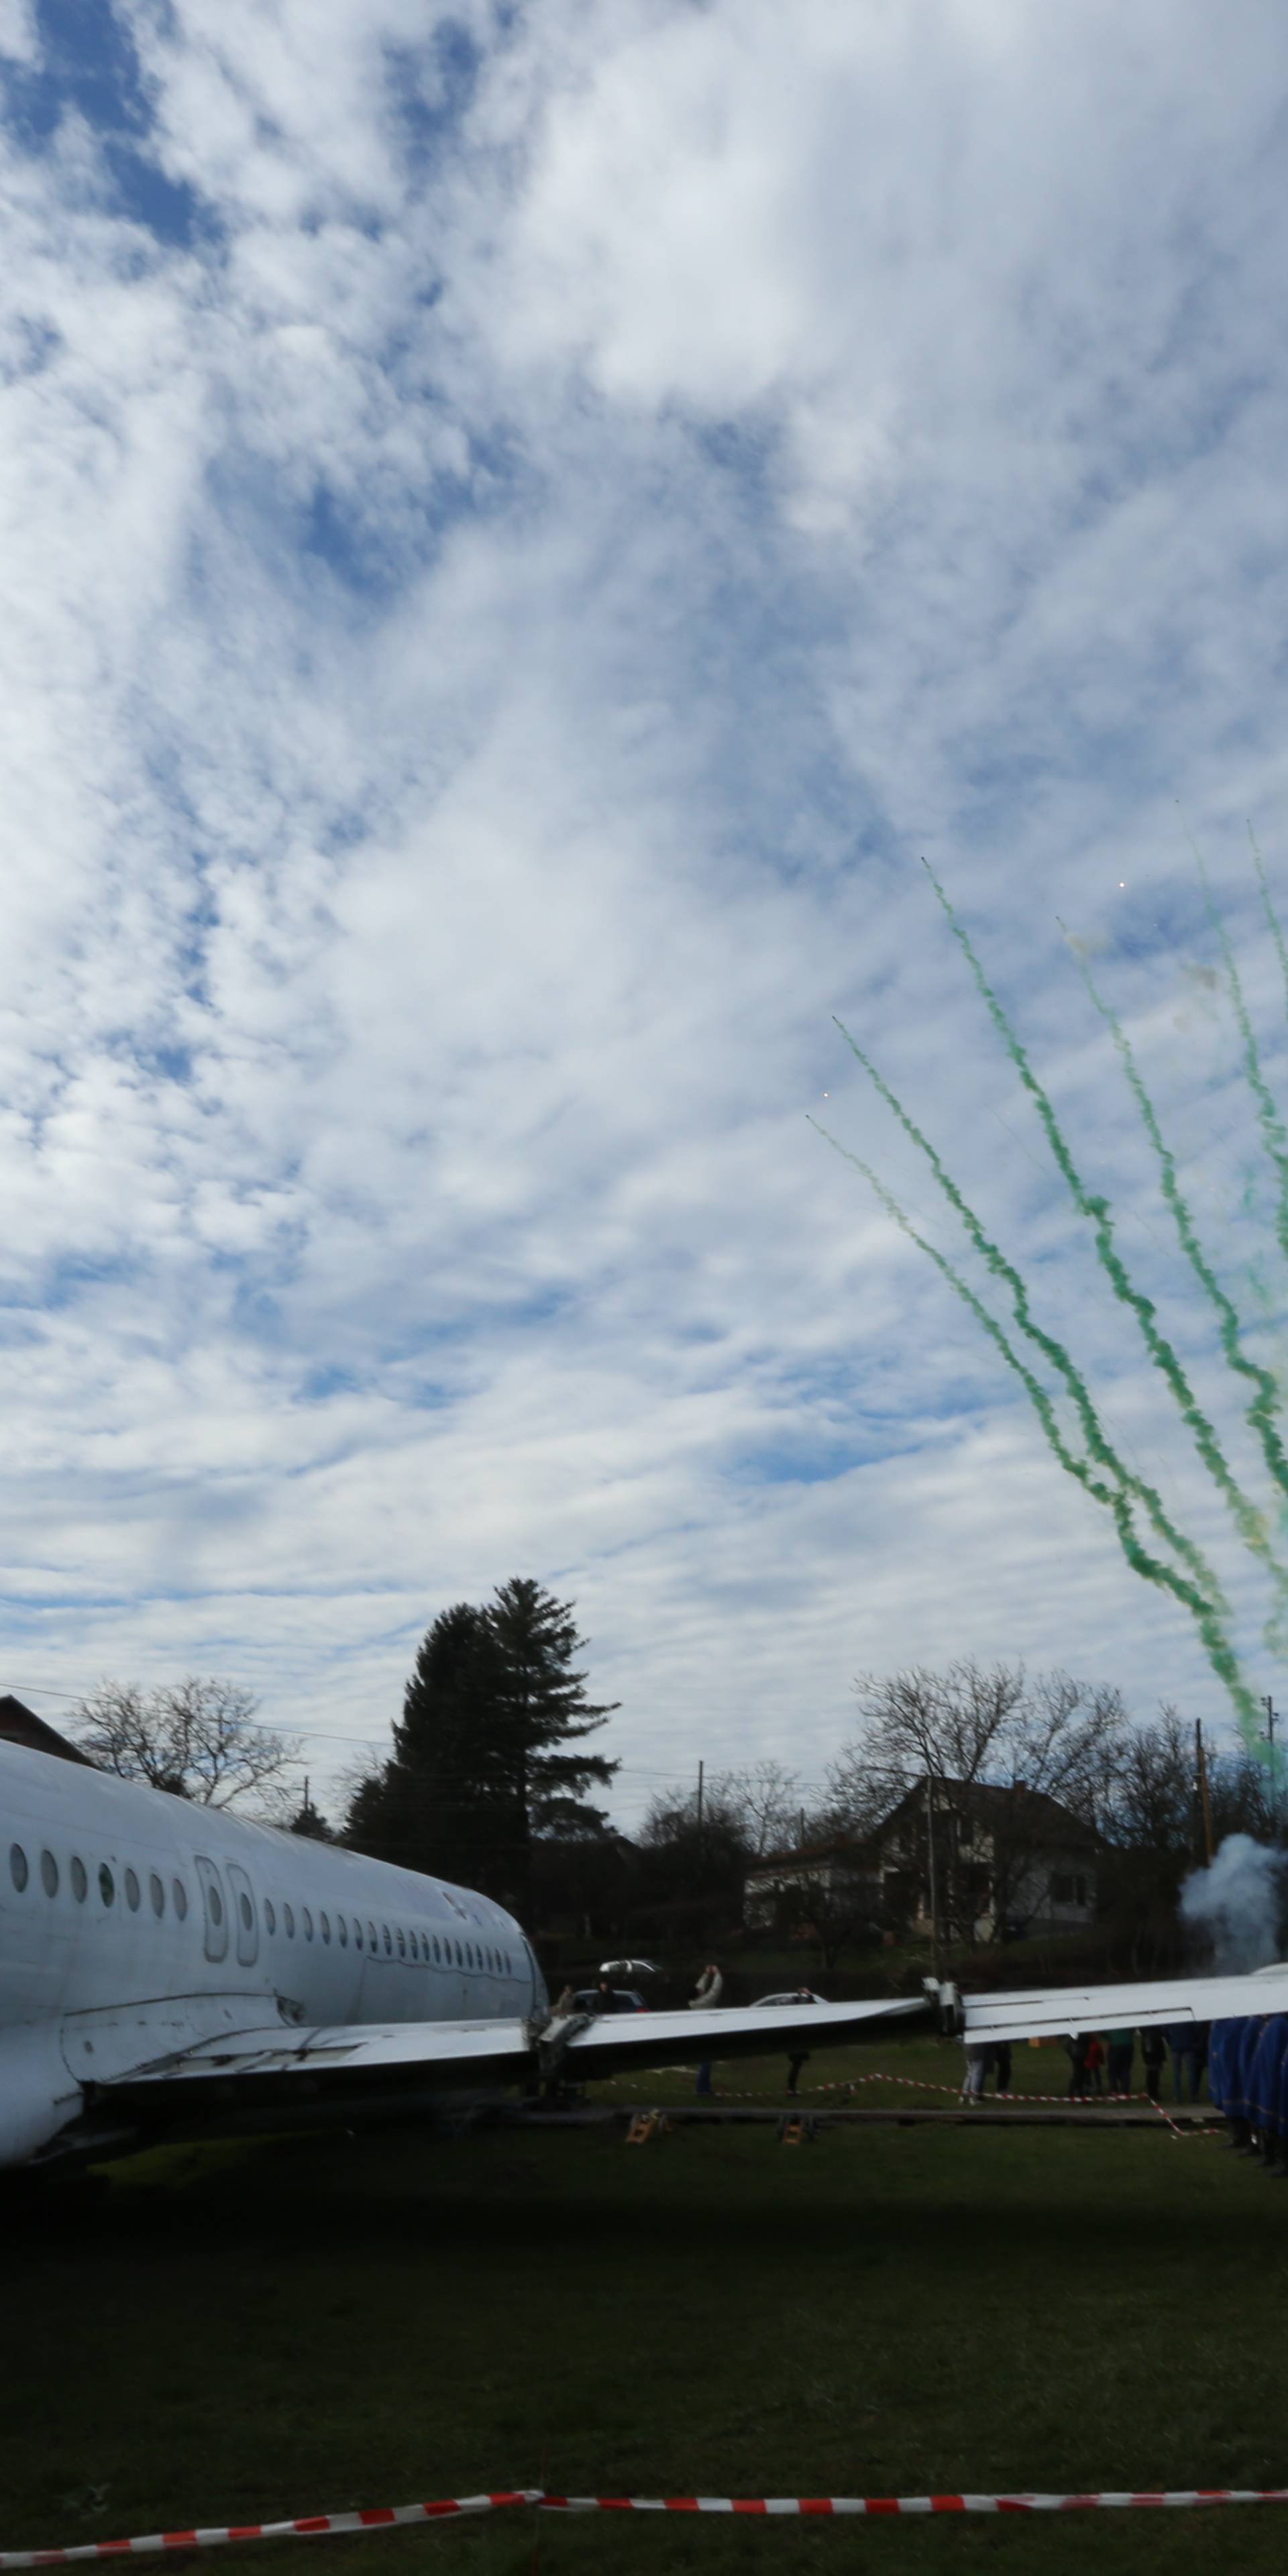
[
  {"x": 798, "y": 1995},
  {"x": 592, "y": 1999}
]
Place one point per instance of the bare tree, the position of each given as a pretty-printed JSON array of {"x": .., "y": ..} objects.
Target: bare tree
[
  {"x": 994, "y": 1748},
  {"x": 765, "y": 1799},
  {"x": 194, "y": 1737}
]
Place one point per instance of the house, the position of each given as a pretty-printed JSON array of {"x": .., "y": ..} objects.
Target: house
[
  {"x": 815, "y": 1876},
  {"x": 976, "y": 1861},
  {"x": 960, "y": 1860}
]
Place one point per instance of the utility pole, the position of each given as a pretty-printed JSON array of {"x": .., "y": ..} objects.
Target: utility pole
[
  {"x": 1201, "y": 1783},
  {"x": 934, "y": 1891},
  {"x": 1269, "y": 1738}
]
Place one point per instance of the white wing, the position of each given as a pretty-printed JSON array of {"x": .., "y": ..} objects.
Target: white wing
[
  {"x": 1050, "y": 2012},
  {"x": 454, "y": 2054}
]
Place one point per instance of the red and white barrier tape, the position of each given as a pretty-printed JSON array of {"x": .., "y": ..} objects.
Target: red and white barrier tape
[{"x": 314, "y": 2526}]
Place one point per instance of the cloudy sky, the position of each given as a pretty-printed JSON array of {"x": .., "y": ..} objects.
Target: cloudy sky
[{"x": 521, "y": 527}]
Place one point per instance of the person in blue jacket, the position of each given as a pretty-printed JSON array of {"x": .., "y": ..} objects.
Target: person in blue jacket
[
  {"x": 1216, "y": 2073},
  {"x": 1239, "y": 2107},
  {"x": 1263, "y": 2105}
]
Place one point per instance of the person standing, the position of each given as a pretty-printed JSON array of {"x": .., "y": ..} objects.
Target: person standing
[
  {"x": 803, "y": 1995},
  {"x": 1120, "y": 2048},
  {"x": 1002, "y": 2067},
  {"x": 978, "y": 2061},
  {"x": 1076, "y": 2046},
  {"x": 1096, "y": 2063},
  {"x": 1153, "y": 2049},
  {"x": 1183, "y": 2041},
  {"x": 704, "y": 1998}
]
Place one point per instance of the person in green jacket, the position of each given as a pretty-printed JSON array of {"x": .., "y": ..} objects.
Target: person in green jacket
[{"x": 1120, "y": 2046}]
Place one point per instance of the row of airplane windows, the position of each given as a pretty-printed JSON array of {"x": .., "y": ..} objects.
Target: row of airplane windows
[{"x": 423, "y": 1946}]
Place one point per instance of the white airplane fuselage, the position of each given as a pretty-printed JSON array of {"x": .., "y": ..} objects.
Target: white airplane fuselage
[{"x": 134, "y": 1924}]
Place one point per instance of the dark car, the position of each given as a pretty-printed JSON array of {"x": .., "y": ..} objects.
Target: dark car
[{"x": 592, "y": 1999}]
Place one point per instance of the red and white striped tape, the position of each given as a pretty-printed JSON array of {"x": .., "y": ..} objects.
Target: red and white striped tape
[{"x": 314, "y": 2526}]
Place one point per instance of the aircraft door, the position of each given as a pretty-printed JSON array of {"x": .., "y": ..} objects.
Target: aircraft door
[
  {"x": 215, "y": 1904},
  {"x": 245, "y": 1916}
]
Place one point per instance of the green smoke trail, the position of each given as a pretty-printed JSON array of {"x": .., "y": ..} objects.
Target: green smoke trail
[
  {"x": 1206, "y": 1618},
  {"x": 1096, "y": 1209},
  {"x": 996, "y": 1260},
  {"x": 1273, "y": 1134},
  {"x": 1272, "y": 916},
  {"x": 1265, "y": 1402}
]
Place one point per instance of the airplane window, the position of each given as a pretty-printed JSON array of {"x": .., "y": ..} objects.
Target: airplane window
[
  {"x": 388, "y": 1943},
  {"x": 289, "y": 1920},
  {"x": 244, "y": 1909},
  {"x": 436, "y": 1949},
  {"x": 459, "y": 1960},
  {"x": 402, "y": 1943},
  {"x": 424, "y": 1947},
  {"x": 49, "y": 1873},
  {"x": 180, "y": 1895},
  {"x": 325, "y": 1921},
  {"x": 270, "y": 1917},
  {"x": 157, "y": 1893},
  {"x": 371, "y": 1936},
  {"x": 216, "y": 1904},
  {"x": 357, "y": 1933},
  {"x": 79, "y": 1880},
  {"x": 343, "y": 1930},
  {"x": 106, "y": 1883},
  {"x": 18, "y": 1870},
  {"x": 132, "y": 1891},
  {"x": 308, "y": 1924}
]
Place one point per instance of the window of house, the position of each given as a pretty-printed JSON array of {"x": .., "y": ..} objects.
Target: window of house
[
  {"x": 1080, "y": 1887},
  {"x": 180, "y": 1895},
  {"x": 106, "y": 1883},
  {"x": 49, "y": 1873},
  {"x": 79, "y": 1880},
  {"x": 1061, "y": 1887},
  {"x": 156, "y": 1891},
  {"x": 132, "y": 1890},
  {"x": 18, "y": 1870},
  {"x": 270, "y": 1915}
]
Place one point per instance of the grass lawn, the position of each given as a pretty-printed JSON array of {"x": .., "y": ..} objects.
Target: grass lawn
[{"x": 245, "y": 2333}]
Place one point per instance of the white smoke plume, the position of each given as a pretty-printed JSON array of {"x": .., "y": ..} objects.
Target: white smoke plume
[{"x": 1237, "y": 1900}]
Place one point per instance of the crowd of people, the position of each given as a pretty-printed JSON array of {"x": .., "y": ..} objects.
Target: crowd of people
[
  {"x": 1248, "y": 2080},
  {"x": 1103, "y": 2064}
]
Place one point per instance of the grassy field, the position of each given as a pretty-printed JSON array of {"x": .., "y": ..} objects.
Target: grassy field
[{"x": 244, "y": 2333}]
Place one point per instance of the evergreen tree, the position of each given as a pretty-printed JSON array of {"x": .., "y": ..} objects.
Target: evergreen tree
[
  {"x": 545, "y": 1717},
  {"x": 478, "y": 1766}
]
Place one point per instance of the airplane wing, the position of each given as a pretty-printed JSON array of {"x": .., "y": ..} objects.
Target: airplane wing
[
  {"x": 273, "y": 2071},
  {"x": 1051, "y": 2012}
]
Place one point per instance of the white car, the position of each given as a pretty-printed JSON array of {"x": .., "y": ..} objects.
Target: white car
[{"x": 798, "y": 1995}]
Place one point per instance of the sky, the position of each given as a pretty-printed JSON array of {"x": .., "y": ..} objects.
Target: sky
[{"x": 521, "y": 527}]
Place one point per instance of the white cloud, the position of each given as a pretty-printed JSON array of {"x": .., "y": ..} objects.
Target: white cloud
[{"x": 496, "y": 611}]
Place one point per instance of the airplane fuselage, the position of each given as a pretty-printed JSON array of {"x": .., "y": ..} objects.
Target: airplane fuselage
[{"x": 133, "y": 1923}]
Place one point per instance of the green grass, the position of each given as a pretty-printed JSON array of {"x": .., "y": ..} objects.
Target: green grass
[{"x": 249, "y": 2332}]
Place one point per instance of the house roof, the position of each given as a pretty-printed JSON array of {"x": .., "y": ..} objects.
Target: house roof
[
  {"x": 20, "y": 1725},
  {"x": 997, "y": 1802}
]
